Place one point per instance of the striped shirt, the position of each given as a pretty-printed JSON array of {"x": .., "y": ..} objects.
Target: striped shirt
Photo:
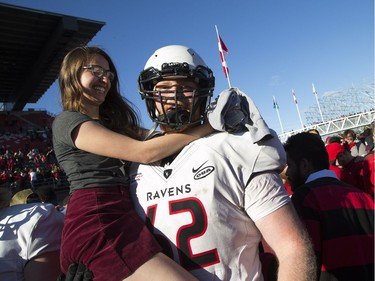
[{"x": 340, "y": 221}]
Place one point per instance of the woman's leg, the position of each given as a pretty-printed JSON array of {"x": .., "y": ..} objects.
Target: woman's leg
[{"x": 160, "y": 267}]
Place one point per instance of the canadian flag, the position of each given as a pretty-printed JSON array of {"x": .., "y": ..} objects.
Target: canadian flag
[{"x": 222, "y": 49}]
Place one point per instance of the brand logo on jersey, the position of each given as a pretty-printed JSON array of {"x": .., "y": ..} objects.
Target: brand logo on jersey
[
  {"x": 202, "y": 172},
  {"x": 195, "y": 170},
  {"x": 167, "y": 173}
]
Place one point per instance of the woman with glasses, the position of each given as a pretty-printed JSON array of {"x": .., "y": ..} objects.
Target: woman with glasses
[{"x": 93, "y": 137}]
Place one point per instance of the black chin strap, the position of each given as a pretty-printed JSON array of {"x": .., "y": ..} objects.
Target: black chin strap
[
  {"x": 151, "y": 132},
  {"x": 175, "y": 118}
]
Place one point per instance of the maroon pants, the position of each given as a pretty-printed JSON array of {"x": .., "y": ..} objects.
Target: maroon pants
[{"x": 102, "y": 231}]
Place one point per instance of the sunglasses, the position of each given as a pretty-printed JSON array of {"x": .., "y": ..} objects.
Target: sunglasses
[{"x": 99, "y": 71}]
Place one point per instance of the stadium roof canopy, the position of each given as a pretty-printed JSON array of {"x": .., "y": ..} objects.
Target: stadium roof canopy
[{"x": 33, "y": 44}]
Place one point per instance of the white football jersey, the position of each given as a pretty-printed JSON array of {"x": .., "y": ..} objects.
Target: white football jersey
[
  {"x": 27, "y": 231},
  {"x": 202, "y": 208}
]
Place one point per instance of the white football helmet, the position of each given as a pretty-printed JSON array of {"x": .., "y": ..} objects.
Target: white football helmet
[{"x": 172, "y": 62}]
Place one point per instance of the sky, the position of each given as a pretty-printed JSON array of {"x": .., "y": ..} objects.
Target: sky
[{"x": 274, "y": 46}]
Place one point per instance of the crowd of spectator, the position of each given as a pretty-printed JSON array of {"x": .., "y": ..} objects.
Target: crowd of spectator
[
  {"x": 30, "y": 168},
  {"x": 351, "y": 158}
]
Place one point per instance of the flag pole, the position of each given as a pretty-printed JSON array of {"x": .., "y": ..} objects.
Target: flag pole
[
  {"x": 276, "y": 106},
  {"x": 299, "y": 114},
  {"x": 223, "y": 62},
  {"x": 317, "y": 101}
]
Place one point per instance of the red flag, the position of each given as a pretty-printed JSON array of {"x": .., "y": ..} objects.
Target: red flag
[{"x": 222, "y": 49}]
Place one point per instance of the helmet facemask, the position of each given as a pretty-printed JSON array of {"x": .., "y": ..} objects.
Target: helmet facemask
[{"x": 178, "y": 117}]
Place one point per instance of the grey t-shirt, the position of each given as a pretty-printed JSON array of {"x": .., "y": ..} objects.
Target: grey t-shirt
[{"x": 83, "y": 169}]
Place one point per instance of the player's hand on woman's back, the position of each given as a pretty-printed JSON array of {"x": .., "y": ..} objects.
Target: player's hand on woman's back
[{"x": 76, "y": 272}]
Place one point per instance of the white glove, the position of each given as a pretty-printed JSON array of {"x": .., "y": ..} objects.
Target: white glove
[
  {"x": 226, "y": 112},
  {"x": 234, "y": 111}
]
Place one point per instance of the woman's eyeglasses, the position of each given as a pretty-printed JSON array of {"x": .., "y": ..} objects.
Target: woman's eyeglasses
[{"x": 99, "y": 71}]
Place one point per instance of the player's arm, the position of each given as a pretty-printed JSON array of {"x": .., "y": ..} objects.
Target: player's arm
[{"x": 284, "y": 233}]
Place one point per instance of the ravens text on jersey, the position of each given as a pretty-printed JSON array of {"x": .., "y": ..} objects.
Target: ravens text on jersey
[{"x": 170, "y": 192}]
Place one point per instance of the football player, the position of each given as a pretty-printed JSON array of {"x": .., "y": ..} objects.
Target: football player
[{"x": 211, "y": 204}]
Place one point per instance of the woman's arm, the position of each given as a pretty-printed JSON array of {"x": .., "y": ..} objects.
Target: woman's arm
[{"x": 93, "y": 137}]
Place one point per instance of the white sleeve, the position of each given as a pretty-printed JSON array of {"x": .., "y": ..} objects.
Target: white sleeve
[
  {"x": 46, "y": 233},
  {"x": 264, "y": 194},
  {"x": 272, "y": 156}
]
